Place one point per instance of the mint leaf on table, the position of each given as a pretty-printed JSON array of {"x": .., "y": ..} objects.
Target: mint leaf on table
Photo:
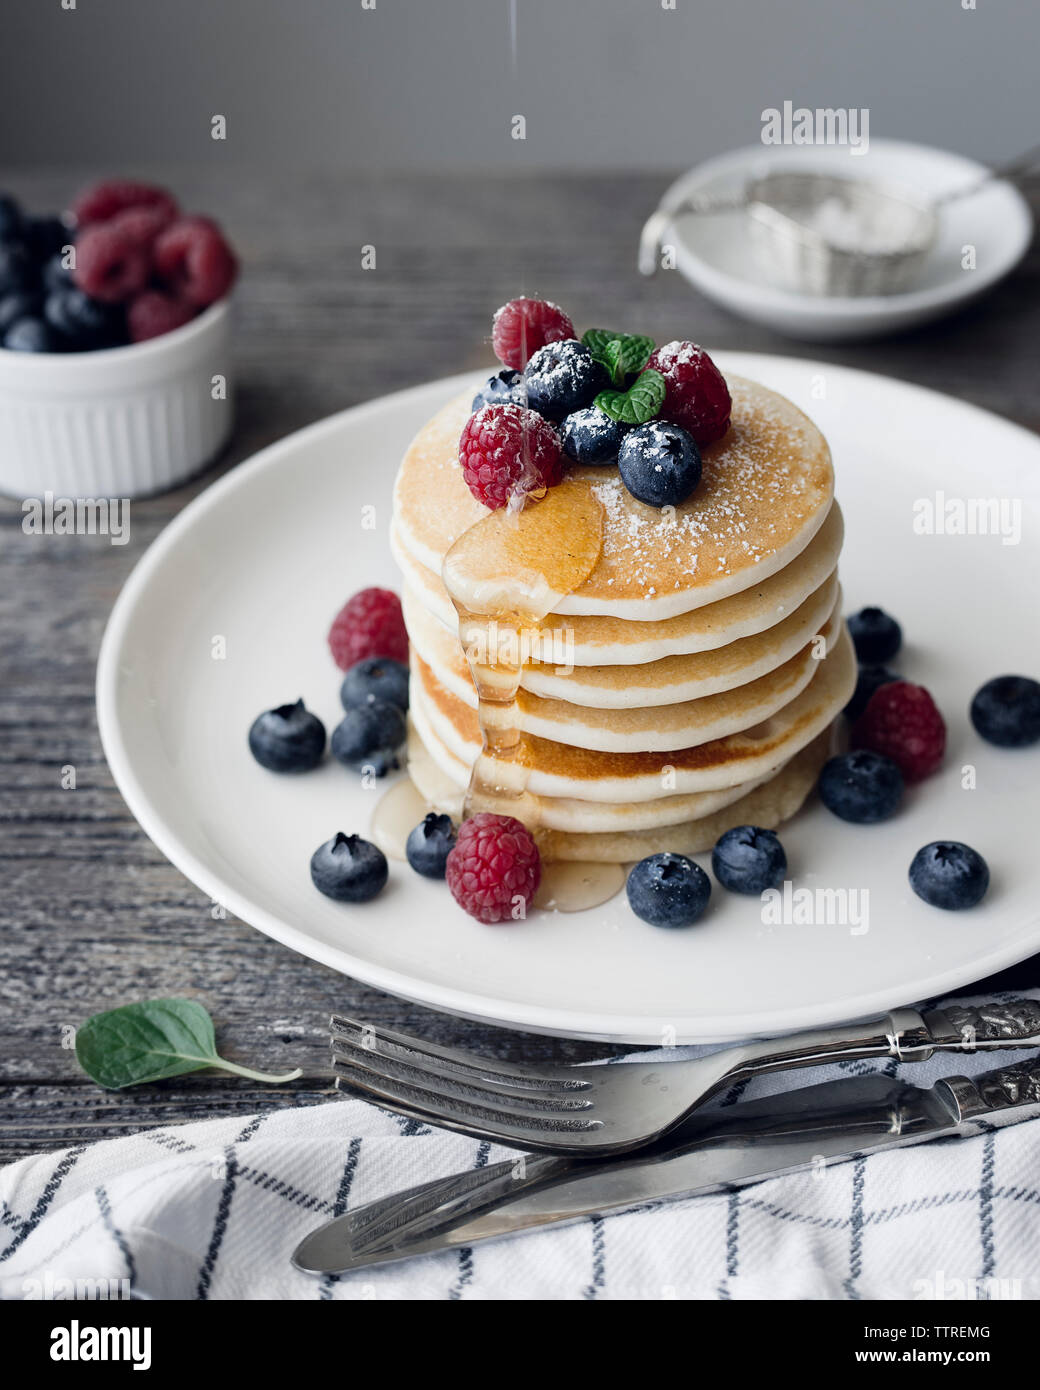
[
  {"x": 152, "y": 1040},
  {"x": 640, "y": 403},
  {"x": 621, "y": 353}
]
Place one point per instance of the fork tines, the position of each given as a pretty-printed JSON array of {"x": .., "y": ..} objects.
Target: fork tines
[{"x": 456, "y": 1089}]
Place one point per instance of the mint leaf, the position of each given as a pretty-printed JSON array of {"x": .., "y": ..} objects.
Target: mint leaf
[
  {"x": 635, "y": 349},
  {"x": 608, "y": 352},
  {"x": 596, "y": 339},
  {"x": 611, "y": 358},
  {"x": 152, "y": 1040},
  {"x": 640, "y": 403}
]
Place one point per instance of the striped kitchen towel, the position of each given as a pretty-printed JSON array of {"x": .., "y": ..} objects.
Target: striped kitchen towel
[{"x": 214, "y": 1210}]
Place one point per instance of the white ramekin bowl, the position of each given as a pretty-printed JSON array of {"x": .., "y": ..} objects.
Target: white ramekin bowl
[{"x": 121, "y": 422}]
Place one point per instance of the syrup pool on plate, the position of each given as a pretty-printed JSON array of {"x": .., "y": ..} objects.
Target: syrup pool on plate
[
  {"x": 399, "y": 811},
  {"x": 572, "y": 886}
]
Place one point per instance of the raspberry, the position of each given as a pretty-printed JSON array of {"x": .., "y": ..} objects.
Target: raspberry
[
  {"x": 110, "y": 265},
  {"x": 902, "y": 723},
  {"x": 369, "y": 624},
  {"x": 194, "y": 261},
  {"x": 154, "y": 313},
  {"x": 522, "y": 326},
  {"x": 104, "y": 200},
  {"x": 494, "y": 864},
  {"x": 506, "y": 450},
  {"x": 143, "y": 224},
  {"x": 696, "y": 395}
]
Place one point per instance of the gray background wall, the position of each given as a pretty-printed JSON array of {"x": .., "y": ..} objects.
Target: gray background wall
[{"x": 432, "y": 83}]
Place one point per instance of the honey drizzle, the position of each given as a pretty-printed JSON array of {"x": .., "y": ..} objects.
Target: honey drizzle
[{"x": 505, "y": 576}]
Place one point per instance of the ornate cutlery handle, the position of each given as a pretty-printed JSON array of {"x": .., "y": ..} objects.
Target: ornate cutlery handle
[
  {"x": 1003, "y": 1089},
  {"x": 980, "y": 1027},
  {"x": 904, "y": 1034}
]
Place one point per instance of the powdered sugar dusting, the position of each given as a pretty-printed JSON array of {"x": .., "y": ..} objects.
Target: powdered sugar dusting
[
  {"x": 760, "y": 485},
  {"x": 682, "y": 351},
  {"x": 562, "y": 368},
  {"x": 764, "y": 485}
]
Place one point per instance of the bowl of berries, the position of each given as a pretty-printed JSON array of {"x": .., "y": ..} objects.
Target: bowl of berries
[{"x": 115, "y": 378}]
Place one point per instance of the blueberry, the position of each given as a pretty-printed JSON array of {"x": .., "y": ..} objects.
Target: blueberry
[
  {"x": 506, "y": 385},
  {"x": 563, "y": 377},
  {"x": 748, "y": 859},
  {"x": 10, "y": 218},
  {"x": 870, "y": 678},
  {"x": 668, "y": 890},
  {"x": 1006, "y": 711},
  {"x": 660, "y": 463},
  {"x": 31, "y": 335},
  {"x": 368, "y": 737},
  {"x": 25, "y": 304},
  {"x": 17, "y": 271},
  {"x": 349, "y": 869},
  {"x": 875, "y": 635},
  {"x": 55, "y": 275},
  {"x": 591, "y": 436},
  {"x": 43, "y": 237},
  {"x": 429, "y": 845},
  {"x": 375, "y": 678},
  {"x": 861, "y": 787},
  {"x": 83, "y": 323},
  {"x": 287, "y": 739},
  {"x": 950, "y": 875}
]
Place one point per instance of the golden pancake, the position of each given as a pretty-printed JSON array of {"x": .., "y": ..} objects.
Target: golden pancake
[
  {"x": 597, "y": 640},
  {"x": 765, "y": 490},
  {"x": 665, "y": 682},
  {"x": 661, "y": 728},
  {"x": 446, "y": 790},
  {"x": 555, "y": 769},
  {"x": 767, "y": 804}
]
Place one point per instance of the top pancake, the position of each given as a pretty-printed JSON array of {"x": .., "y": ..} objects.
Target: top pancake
[
  {"x": 591, "y": 640},
  {"x": 764, "y": 492}
]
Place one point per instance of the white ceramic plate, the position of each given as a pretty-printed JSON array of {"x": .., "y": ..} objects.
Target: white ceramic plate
[
  {"x": 715, "y": 254},
  {"x": 265, "y": 557}
]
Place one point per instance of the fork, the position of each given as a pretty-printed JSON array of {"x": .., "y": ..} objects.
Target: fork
[{"x": 603, "y": 1109}]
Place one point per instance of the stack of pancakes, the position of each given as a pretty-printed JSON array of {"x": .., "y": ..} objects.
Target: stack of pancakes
[{"x": 698, "y": 669}]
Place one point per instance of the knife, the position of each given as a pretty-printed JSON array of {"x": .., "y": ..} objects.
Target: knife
[{"x": 807, "y": 1128}]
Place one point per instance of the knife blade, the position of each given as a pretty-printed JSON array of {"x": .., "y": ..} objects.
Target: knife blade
[{"x": 831, "y": 1122}]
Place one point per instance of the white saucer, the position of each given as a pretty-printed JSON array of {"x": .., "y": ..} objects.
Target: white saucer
[
  {"x": 714, "y": 252},
  {"x": 266, "y": 556}
]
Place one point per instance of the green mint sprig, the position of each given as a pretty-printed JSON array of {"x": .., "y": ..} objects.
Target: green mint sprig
[
  {"x": 622, "y": 354},
  {"x": 640, "y": 403}
]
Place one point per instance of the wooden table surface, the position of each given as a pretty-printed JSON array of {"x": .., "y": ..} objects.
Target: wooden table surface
[{"x": 92, "y": 915}]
